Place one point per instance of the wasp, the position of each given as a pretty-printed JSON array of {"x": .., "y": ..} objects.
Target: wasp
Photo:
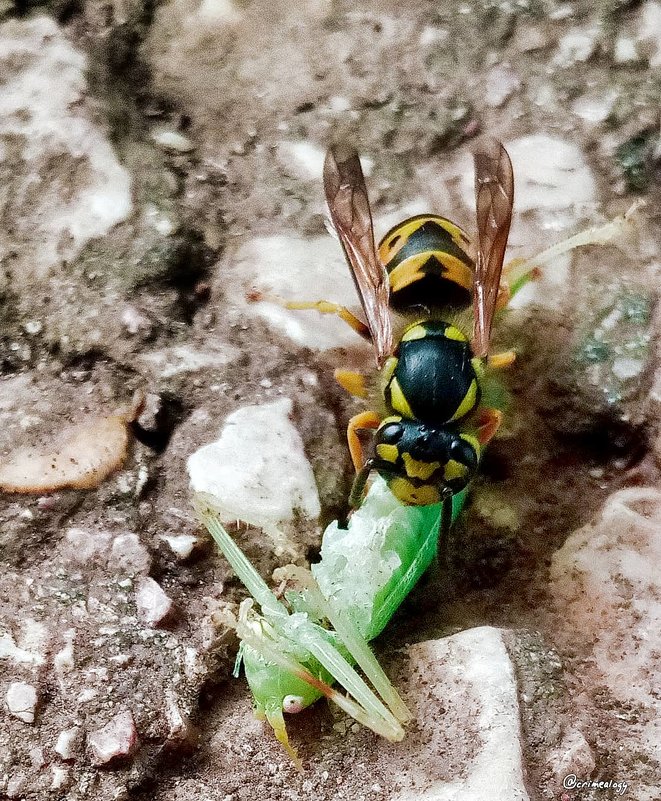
[{"x": 432, "y": 417}]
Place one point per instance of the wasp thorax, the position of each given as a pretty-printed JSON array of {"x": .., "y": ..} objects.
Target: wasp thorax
[
  {"x": 431, "y": 376},
  {"x": 422, "y": 464}
]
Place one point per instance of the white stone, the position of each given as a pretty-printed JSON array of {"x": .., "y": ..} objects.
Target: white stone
[
  {"x": 625, "y": 368},
  {"x": 339, "y": 103},
  {"x": 129, "y": 555},
  {"x": 257, "y": 470},
  {"x": 649, "y": 31},
  {"x": 529, "y": 38},
  {"x": 501, "y": 83},
  {"x": 86, "y": 695},
  {"x": 303, "y": 159},
  {"x": 160, "y": 221},
  {"x": 607, "y": 586},
  {"x": 431, "y": 35},
  {"x": 21, "y": 699},
  {"x": 134, "y": 321},
  {"x": 64, "y": 659},
  {"x": 625, "y": 50},
  {"x": 33, "y": 327},
  {"x": 551, "y": 173},
  {"x": 82, "y": 546},
  {"x": 37, "y": 758},
  {"x": 467, "y": 682},
  {"x": 44, "y": 111},
  {"x": 67, "y": 741},
  {"x": 193, "y": 664},
  {"x": 31, "y": 646},
  {"x": 60, "y": 778},
  {"x": 172, "y": 140},
  {"x": 594, "y": 107},
  {"x": 545, "y": 96},
  {"x": 576, "y": 46},
  {"x": 179, "y": 726},
  {"x": 16, "y": 785},
  {"x": 182, "y": 545},
  {"x": 118, "y": 738},
  {"x": 154, "y": 606},
  {"x": 218, "y": 11}
]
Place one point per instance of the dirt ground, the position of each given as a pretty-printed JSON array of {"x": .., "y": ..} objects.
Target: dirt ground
[{"x": 152, "y": 155}]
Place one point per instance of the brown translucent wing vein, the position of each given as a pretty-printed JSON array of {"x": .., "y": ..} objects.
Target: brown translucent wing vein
[
  {"x": 349, "y": 208},
  {"x": 494, "y": 198}
]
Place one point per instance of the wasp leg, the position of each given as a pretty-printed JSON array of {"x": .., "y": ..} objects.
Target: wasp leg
[
  {"x": 444, "y": 529},
  {"x": 357, "y": 422},
  {"x": 358, "y": 487},
  {"x": 325, "y": 307},
  {"x": 501, "y": 360},
  {"x": 488, "y": 423},
  {"x": 353, "y": 383},
  {"x": 445, "y": 522}
]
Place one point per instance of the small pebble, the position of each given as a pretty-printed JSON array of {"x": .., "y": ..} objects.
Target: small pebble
[
  {"x": 625, "y": 50},
  {"x": 37, "y": 758},
  {"x": 154, "y": 606},
  {"x": 182, "y": 545},
  {"x": 16, "y": 786},
  {"x": 60, "y": 778},
  {"x": 171, "y": 140},
  {"x": 133, "y": 321},
  {"x": 576, "y": 46},
  {"x": 33, "y": 327},
  {"x": 64, "y": 658},
  {"x": 117, "y": 739},
  {"x": 66, "y": 742},
  {"x": 180, "y": 729},
  {"x": 83, "y": 546},
  {"x": 21, "y": 701},
  {"x": 129, "y": 555},
  {"x": 501, "y": 83}
]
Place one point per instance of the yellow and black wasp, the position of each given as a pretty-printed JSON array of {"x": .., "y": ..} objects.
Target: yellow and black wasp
[{"x": 432, "y": 419}]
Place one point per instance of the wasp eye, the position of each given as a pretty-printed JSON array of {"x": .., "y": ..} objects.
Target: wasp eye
[
  {"x": 391, "y": 433},
  {"x": 463, "y": 452}
]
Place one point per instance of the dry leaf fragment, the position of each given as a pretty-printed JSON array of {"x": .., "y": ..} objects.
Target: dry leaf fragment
[{"x": 81, "y": 457}]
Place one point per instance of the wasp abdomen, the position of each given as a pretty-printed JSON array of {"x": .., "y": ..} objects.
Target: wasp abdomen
[
  {"x": 428, "y": 263},
  {"x": 431, "y": 376}
]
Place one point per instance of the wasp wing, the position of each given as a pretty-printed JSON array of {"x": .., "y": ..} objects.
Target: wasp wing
[
  {"x": 349, "y": 208},
  {"x": 494, "y": 198}
]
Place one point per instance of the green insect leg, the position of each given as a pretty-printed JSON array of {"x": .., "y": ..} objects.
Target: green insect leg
[{"x": 273, "y": 714}]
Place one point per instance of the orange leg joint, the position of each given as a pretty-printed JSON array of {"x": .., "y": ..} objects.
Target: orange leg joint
[
  {"x": 499, "y": 361},
  {"x": 358, "y": 422},
  {"x": 488, "y": 423},
  {"x": 352, "y": 382}
]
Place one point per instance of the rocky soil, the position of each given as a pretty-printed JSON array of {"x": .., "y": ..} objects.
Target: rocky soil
[{"x": 160, "y": 168}]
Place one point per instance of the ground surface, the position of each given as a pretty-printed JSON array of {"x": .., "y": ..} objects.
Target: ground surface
[{"x": 158, "y": 164}]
